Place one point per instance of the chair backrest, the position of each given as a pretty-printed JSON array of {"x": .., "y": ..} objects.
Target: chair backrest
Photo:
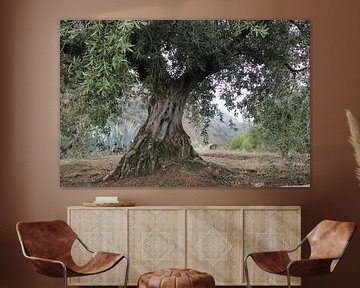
[
  {"x": 329, "y": 239},
  {"x": 46, "y": 239}
]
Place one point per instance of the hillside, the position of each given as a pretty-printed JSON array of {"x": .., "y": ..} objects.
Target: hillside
[{"x": 219, "y": 131}]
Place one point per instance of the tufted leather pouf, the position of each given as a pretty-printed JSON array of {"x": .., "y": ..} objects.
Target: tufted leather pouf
[{"x": 176, "y": 278}]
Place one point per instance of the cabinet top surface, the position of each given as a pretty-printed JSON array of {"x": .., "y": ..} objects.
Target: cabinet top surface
[{"x": 192, "y": 207}]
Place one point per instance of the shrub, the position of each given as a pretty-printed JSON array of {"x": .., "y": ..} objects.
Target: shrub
[
  {"x": 235, "y": 143},
  {"x": 242, "y": 142},
  {"x": 247, "y": 143}
]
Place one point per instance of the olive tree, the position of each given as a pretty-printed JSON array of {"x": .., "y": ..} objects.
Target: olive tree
[{"x": 179, "y": 67}]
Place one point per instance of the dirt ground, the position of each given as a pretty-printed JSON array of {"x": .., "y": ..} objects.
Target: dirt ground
[{"x": 224, "y": 168}]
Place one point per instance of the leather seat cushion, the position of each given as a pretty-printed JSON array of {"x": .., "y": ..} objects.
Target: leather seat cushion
[{"x": 176, "y": 278}]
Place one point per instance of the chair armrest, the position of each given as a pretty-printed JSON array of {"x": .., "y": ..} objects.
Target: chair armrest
[
  {"x": 48, "y": 267},
  {"x": 46, "y": 260},
  {"x": 309, "y": 267}
]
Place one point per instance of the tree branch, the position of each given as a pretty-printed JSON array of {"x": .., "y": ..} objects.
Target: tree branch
[
  {"x": 212, "y": 63},
  {"x": 144, "y": 65}
]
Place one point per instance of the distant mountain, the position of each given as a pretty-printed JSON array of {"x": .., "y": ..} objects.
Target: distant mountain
[{"x": 219, "y": 131}]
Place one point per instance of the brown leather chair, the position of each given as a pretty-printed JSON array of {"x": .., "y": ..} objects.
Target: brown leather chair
[
  {"x": 48, "y": 245},
  {"x": 328, "y": 242}
]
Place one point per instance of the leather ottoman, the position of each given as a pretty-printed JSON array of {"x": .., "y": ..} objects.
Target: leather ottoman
[{"x": 176, "y": 278}]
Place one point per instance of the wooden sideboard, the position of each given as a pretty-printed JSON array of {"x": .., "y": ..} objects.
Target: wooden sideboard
[{"x": 213, "y": 239}]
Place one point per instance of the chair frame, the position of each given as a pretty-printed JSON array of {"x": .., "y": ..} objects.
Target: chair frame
[
  {"x": 23, "y": 249},
  {"x": 246, "y": 270}
]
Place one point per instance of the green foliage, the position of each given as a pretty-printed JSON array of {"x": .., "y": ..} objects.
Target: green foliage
[
  {"x": 236, "y": 143},
  {"x": 281, "y": 107},
  {"x": 94, "y": 71},
  {"x": 256, "y": 28},
  {"x": 94, "y": 55},
  {"x": 94, "y": 142},
  {"x": 284, "y": 122},
  {"x": 123, "y": 133},
  {"x": 79, "y": 140},
  {"x": 246, "y": 142}
]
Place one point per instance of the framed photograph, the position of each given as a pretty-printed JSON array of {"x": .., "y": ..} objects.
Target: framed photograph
[{"x": 189, "y": 103}]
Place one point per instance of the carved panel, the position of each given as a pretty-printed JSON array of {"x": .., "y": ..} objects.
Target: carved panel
[
  {"x": 101, "y": 230},
  {"x": 269, "y": 230},
  {"x": 214, "y": 241},
  {"x": 156, "y": 240}
]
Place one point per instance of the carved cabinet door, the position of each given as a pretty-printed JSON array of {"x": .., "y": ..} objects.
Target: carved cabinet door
[
  {"x": 156, "y": 240},
  {"x": 269, "y": 230},
  {"x": 214, "y": 244},
  {"x": 101, "y": 230}
]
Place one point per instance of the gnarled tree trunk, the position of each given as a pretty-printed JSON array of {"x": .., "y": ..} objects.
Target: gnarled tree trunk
[{"x": 162, "y": 140}]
